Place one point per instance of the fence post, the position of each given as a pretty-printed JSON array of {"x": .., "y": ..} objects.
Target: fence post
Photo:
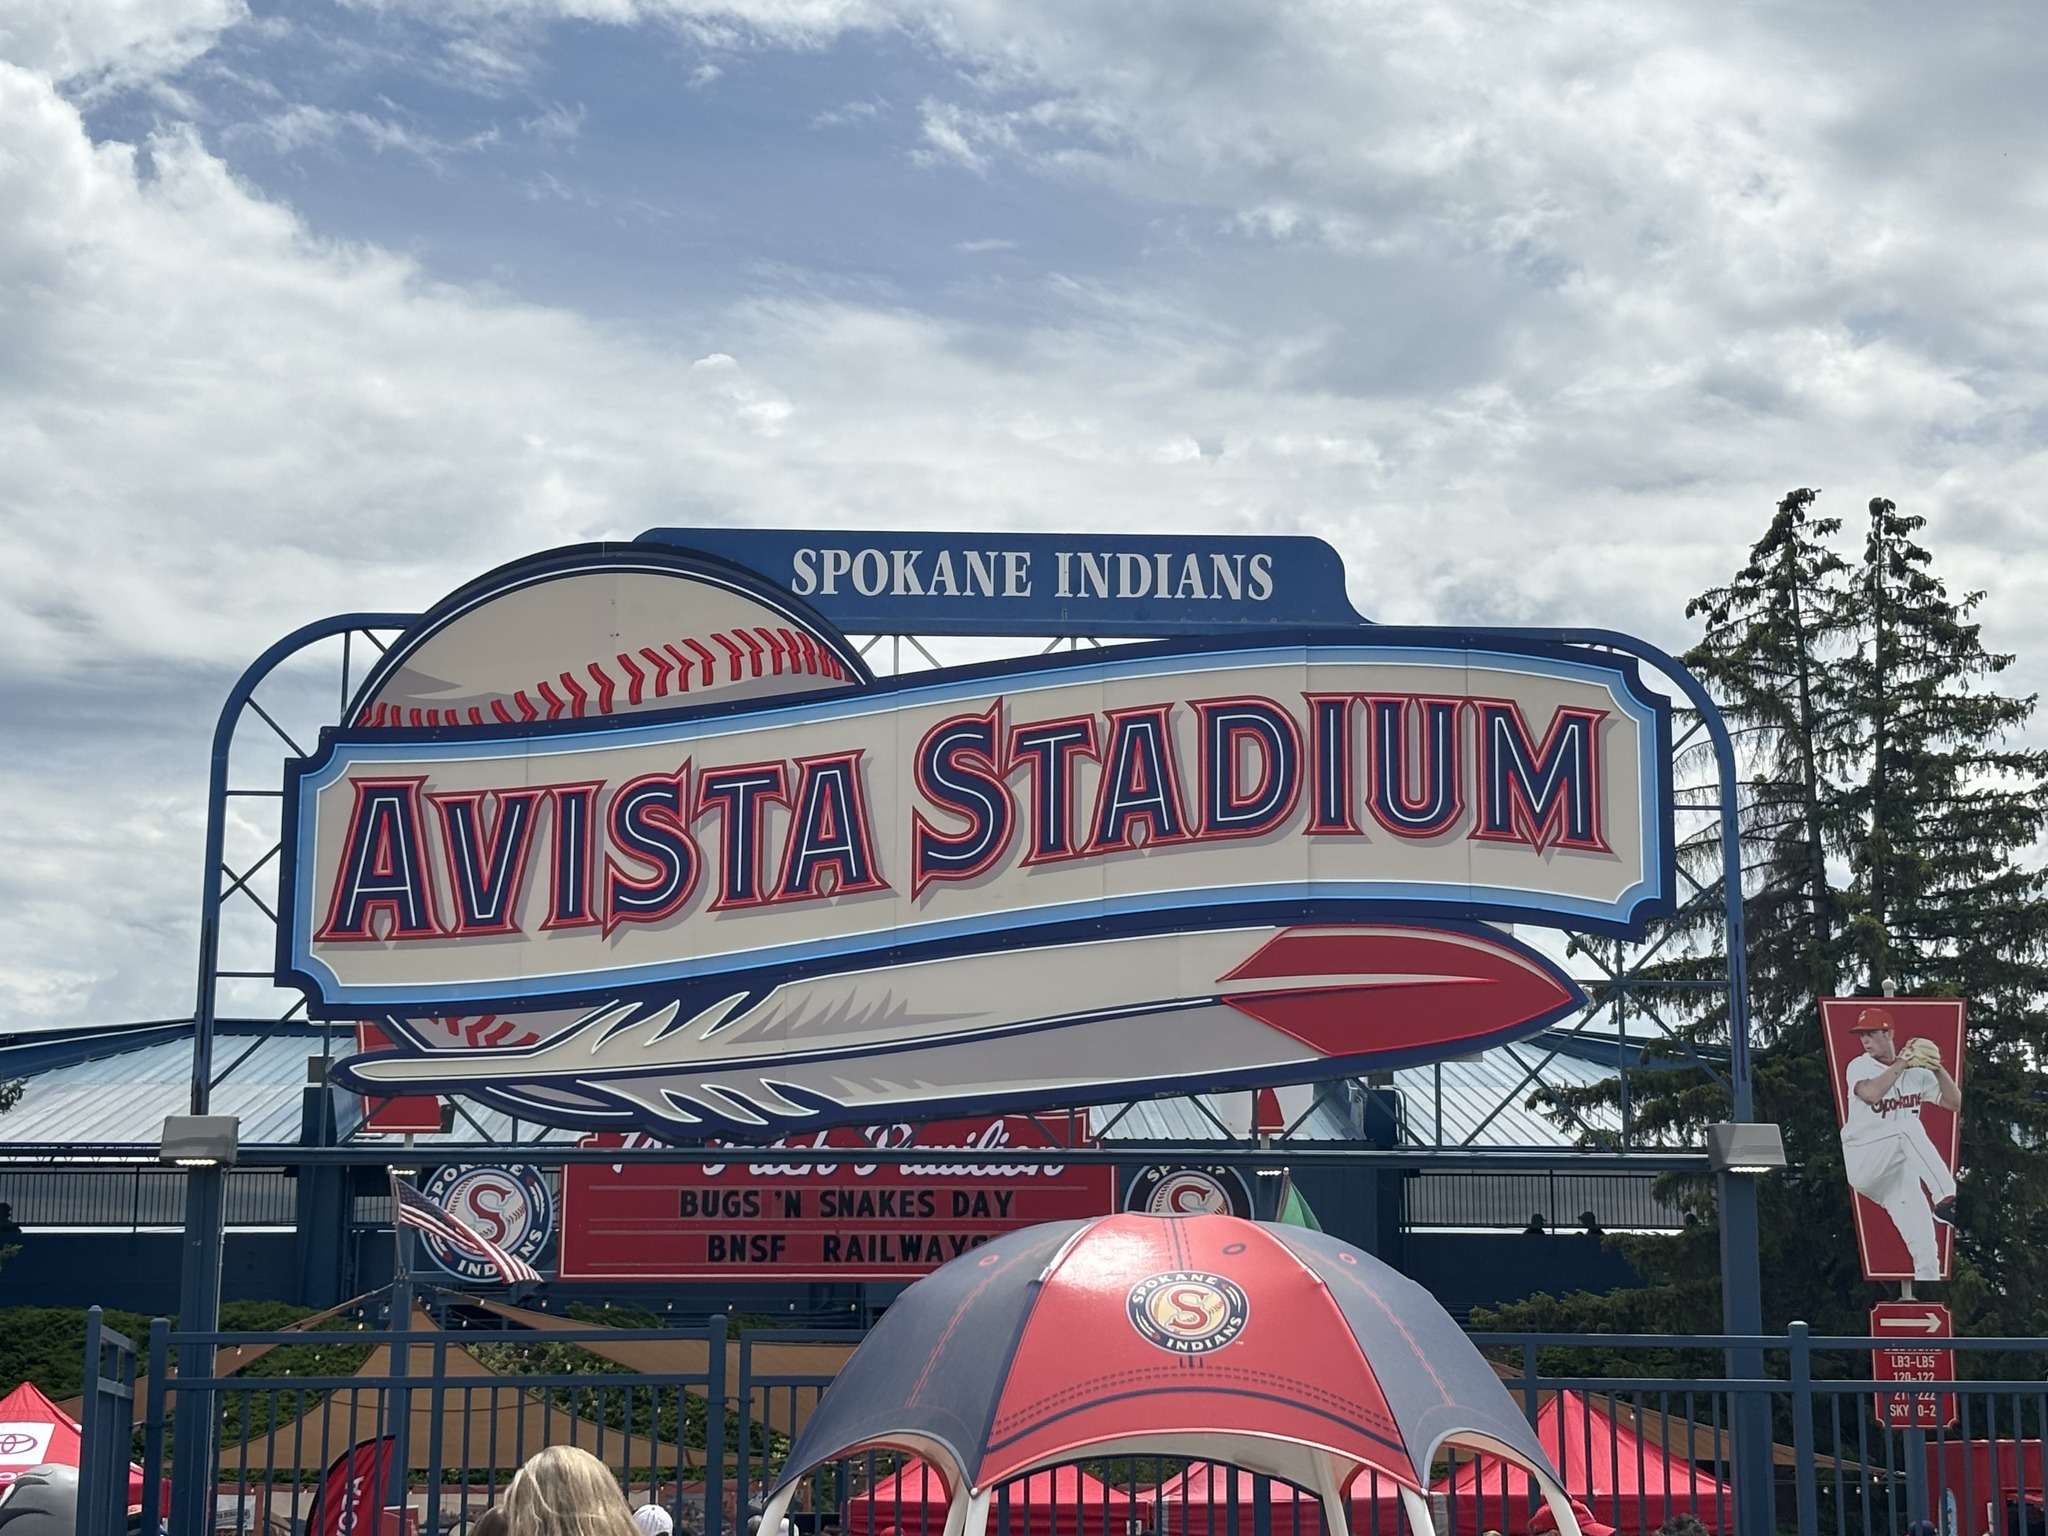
[
  {"x": 109, "y": 1415},
  {"x": 714, "y": 1433},
  {"x": 743, "y": 1451},
  {"x": 153, "y": 1423},
  {"x": 194, "y": 1476},
  {"x": 1802, "y": 1429},
  {"x": 436, "y": 1428}
]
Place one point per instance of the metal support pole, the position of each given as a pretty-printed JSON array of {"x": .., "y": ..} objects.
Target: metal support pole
[
  {"x": 401, "y": 1360},
  {"x": 192, "y": 1453},
  {"x": 192, "y": 1472},
  {"x": 1916, "y": 1475},
  {"x": 714, "y": 1438},
  {"x": 1802, "y": 1430},
  {"x": 217, "y": 821},
  {"x": 1742, "y": 1310},
  {"x": 1741, "y": 1247}
]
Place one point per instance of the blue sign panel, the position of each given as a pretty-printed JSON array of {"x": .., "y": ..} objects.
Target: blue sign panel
[{"x": 1105, "y": 585}]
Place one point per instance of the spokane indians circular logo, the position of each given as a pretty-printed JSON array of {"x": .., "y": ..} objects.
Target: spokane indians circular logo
[
  {"x": 513, "y": 1207},
  {"x": 1188, "y": 1311}
]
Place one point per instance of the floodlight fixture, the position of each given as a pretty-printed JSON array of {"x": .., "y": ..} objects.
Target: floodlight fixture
[
  {"x": 199, "y": 1141},
  {"x": 1745, "y": 1147}
]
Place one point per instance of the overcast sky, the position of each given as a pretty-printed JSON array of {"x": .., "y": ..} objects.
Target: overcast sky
[{"x": 1532, "y": 310}]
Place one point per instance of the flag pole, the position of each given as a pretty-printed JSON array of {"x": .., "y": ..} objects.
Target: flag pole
[{"x": 401, "y": 1353}]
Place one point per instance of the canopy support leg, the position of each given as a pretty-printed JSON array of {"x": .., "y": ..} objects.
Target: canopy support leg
[
  {"x": 777, "y": 1507},
  {"x": 1330, "y": 1486},
  {"x": 1560, "y": 1508}
]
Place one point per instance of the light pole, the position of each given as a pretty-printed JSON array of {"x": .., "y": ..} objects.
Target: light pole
[
  {"x": 1739, "y": 1153},
  {"x": 204, "y": 1146}
]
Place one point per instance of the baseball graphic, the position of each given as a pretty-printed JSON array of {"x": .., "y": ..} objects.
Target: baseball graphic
[
  {"x": 1893, "y": 1071},
  {"x": 585, "y": 644}
]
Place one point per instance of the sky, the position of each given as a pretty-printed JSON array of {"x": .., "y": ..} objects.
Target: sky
[{"x": 1533, "y": 311}]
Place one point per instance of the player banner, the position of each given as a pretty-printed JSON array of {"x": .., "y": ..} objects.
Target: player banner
[
  {"x": 849, "y": 1220},
  {"x": 1897, "y": 1065}
]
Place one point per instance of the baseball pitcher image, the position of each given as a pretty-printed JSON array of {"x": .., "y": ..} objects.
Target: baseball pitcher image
[{"x": 1890, "y": 1159}]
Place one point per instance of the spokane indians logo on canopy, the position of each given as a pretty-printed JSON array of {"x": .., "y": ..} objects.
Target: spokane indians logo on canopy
[{"x": 1188, "y": 1311}]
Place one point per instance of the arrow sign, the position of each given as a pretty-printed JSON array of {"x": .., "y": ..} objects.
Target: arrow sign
[
  {"x": 1913, "y": 1363},
  {"x": 1929, "y": 1320}
]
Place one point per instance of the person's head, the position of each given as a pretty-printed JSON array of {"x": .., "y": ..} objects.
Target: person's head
[
  {"x": 1684, "y": 1523},
  {"x": 491, "y": 1522},
  {"x": 653, "y": 1520},
  {"x": 1873, "y": 1027},
  {"x": 566, "y": 1491}
]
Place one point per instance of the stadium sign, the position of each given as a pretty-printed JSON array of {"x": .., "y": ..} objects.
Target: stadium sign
[
  {"x": 842, "y": 1220},
  {"x": 1148, "y": 585},
  {"x": 650, "y": 813}
]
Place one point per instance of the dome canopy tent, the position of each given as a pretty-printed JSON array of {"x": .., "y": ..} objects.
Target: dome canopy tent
[{"x": 1274, "y": 1349}]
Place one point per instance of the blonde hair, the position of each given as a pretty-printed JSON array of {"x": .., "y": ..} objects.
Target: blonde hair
[{"x": 565, "y": 1491}]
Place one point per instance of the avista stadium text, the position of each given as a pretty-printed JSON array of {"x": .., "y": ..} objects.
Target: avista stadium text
[{"x": 548, "y": 843}]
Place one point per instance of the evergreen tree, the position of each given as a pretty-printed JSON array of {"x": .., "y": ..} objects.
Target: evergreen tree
[
  {"x": 1885, "y": 830},
  {"x": 1942, "y": 898}
]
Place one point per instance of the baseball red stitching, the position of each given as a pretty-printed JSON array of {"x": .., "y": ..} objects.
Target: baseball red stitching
[
  {"x": 486, "y": 1030},
  {"x": 741, "y": 654}
]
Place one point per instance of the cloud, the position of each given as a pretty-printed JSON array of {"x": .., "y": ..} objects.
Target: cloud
[
  {"x": 119, "y": 42},
  {"x": 1532, "y": 312}
]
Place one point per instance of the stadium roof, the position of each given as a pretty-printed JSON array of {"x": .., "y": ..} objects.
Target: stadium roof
[{"x": 116, "y": 1084}]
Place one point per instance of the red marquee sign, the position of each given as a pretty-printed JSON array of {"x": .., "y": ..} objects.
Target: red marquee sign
[{"x": 853, "y": 1220}]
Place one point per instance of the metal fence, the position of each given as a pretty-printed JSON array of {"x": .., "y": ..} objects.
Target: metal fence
[
  {"x": 1643, "y": 1428},
  {"x": 1616, "y": 1201},
  {"x": 133, "y": 1198}
]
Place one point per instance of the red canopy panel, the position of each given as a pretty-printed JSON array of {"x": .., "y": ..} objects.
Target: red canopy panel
[
  {"x": 1626, "y": 1480},
  {"x": 1094, "y": 1364}
]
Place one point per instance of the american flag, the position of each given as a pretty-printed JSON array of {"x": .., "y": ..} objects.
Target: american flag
[{"x": 416, "y": 1210}]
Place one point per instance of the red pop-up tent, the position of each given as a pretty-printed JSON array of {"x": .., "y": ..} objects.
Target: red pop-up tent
[
  {"x": 1060, "y": 1501},
  {"x": 1624, "y": 1477},
  {"x": 35, "y": 1432},
  {"x": 1272, "y": 1349}
]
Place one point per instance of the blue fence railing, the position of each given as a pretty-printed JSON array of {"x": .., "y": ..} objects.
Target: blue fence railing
[{"x": 1643, "y": 1428}]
